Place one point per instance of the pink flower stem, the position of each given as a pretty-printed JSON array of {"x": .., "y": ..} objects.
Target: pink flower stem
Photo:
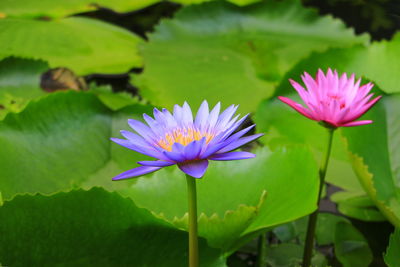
[
  {"x": 312, "y": 220},
  {"x": 193, "y": 239}
]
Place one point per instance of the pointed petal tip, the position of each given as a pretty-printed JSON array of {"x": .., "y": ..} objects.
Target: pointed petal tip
[
  {"x": 293, "y": 82},
  {"x": 116, "y": 140},
  {"x": 136, "y": 172},
  {"x": 357, "y": 123},
  {"x": 235, "y": 155},
  {"x": 124, "y": 131},
  {"x": 156, "y": 163},
  {"x": 284, "y": 99}
]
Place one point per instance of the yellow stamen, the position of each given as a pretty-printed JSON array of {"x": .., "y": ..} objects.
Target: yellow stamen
[{"x": 183, "y": 136}]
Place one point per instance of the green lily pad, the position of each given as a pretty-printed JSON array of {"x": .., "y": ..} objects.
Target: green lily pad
[
  {"x": 52, "y": 9},
  {"x": 113, "y": 100},
  {"x": 358, "y": 207},
  {"x": 61, "y": 142},
  {"x": 221, "y": 51},
  {"x": 392, "y": 253},
  {"x": 295, "y": 231},
  {"x": 374, "y": 150},
  {"x": 82, "y": 228},
  {"x": 289, "y": 254},
  {"x": 376, "y": 62},
  {"x": 225, "y": 231},
  {"x": 80, "y": 44},
  {"x": 227, "y": 186},
  {"x": 19, "y": 82},
  {"x": 351, "y": 248},
  {"x": 56, "y": 9},
  {"x": 286, "y": 126}
]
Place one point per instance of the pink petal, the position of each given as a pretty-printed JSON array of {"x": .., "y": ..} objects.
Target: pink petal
[
  {"x": 300, "y": 90},
  {"x": 356, "y": 123},
  {"x": 298, "y": 107},
  {"x": 358, "y": 113}
]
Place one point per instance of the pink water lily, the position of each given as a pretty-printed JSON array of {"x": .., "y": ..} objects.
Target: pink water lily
[{"x": 332, "y": 100}]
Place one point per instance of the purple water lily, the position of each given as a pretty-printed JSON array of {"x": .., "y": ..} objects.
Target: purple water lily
[{"x": 189, "y": 143}]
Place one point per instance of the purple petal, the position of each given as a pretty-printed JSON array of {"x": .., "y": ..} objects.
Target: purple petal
[
  {"x": 136, "y": 172},
  {"x": 156, "y": 163},
  {"x": 178, "y": 148},
  {"x": 175, "y": 156},
  {"x": 169, "y": 119},
  {"x": 239, "y": 134},
  {"x": 144, "y": 150},
  {"x": 233, "y": 156},
  {"x": 240, "y": 142},
  {"x": 225, "y": 116},
  {"x": 178, "y": 113},
  {"x": 135, "y": 139},
  {"x": 187, "y": 116},
  {"x": 154, "y": 125},
  {"x": 202, "y": 115},
  {"x": 158, "y": 115},
  {"x": 192, "y": 150},
  {"x": 233, "y": 128},
  {"x": 216, "y": 143},
  {"x": 141, "y": 129},
  {"x": 231, "y": 122},
  {"x": 211, "y": 149},
  {"x": 213, "y": 117},
  {"x": 195, "y": 169}
]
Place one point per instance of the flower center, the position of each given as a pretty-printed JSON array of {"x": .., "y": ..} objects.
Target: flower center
[
  {"x": 183, "y": 136},
  {"x": 335, "y": 97},
  {"x": 339, "y": 99}
]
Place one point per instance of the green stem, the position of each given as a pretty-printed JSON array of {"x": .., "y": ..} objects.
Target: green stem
[
  {"x": 262, "y": 249},
  {"x": 193, "y": 242},
  {"x": 312, "y": 220}
]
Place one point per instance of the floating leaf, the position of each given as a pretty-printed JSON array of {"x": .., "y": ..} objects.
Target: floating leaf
[
  {"x": 391, "y": 257},
  {"x": 288, "y": 255},
  {"x": 114, "y": 101},
  {"x": 324, "y": 232},
  {"x": 60, "y": 141},
  {"x": 221, "y": 51},
  {"x": 54, "y": 9},
  {"x": 225, "y": 231},
  {"x": 80, "y": 44},
  {"x": 286, "y": 126},
  {"x": 229, "y": 185},
  {"x": 351, "y": 248},
  {"x": 358, "y": 207},
  {"x": 19, "y": 82},
  {"x": 376, "y": 62},
  {"x": 96, "y": 227},
  {"x": 377, "y": 163}
]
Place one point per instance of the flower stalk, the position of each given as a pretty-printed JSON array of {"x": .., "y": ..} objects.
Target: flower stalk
[
  {"x": 262, "y": 250},
  {"x": 312, "y": 220},
  {"x": 192, "y": 205}
]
